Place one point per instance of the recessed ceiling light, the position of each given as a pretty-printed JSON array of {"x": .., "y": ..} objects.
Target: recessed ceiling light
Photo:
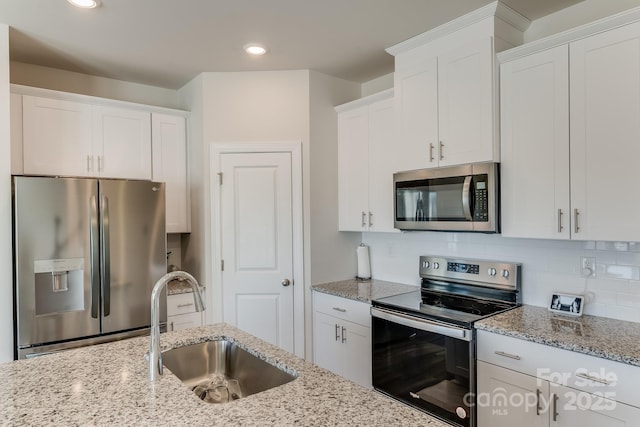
[
  {"x": 255, "y": 49},
  {"x": 86, "y": 4}
]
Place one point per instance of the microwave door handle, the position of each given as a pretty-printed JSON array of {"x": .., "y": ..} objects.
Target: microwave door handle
[{"x": 466, "y": 198}]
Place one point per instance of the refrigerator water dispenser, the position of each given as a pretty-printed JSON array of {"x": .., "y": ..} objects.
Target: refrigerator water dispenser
[{"x": 59, "y": 285}]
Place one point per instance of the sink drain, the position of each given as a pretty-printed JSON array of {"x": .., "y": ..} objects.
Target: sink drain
[{"x": 218, "y": 390}]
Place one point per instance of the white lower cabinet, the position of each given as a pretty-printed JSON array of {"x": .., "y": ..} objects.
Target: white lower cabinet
[
  {"x": 181, "y": 312},
  {"x": 526, "y": 384},
  {"x": 342, "y": 337}
]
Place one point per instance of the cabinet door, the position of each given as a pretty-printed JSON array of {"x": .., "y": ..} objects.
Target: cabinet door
[
  {"x": 356, "y": 340},
  {"x": 465, "y": 104},
  {"x": 184, "y": 321},
  {"x": 382, "y": 152},
  {"x": 579, "y": 408},
  {"x": 122, "y": 141},
  {"x": 507, "y": 398},
  {"x": 327, "y": 347},
  {"x": 534, "y": 171},
  {"x": 416, "y": 94},
  {"x": 169, "y": 147},
  {"x": 605, "y": 130},
  {"x": 353, "y": 167},
  {"x": 57, "y": 138}
]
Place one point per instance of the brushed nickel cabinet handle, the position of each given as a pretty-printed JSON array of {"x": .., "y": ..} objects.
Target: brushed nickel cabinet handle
[
  {"x": 441, "y": 151},
  {"x": 592, "y": 378},
  {"x": 344, "y": 335},
  {"x": 576, "y": 215},
  {"x": 431, "y": 158},
  {"x": 337, "y": 332},
  {"x": 509, "y": 355},
  {"x": 364, "y": 219},
  {"x": 555, "y": 407},
  {"x": 537, "y": 401},
  {"x": 341, "y": 310},
  {"x": 560, "y": 227},
  {"x": 370, "y": 219}
]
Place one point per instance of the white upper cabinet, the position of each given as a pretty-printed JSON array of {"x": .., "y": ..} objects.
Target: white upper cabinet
[
  {"x": 69, "y": 138},
  {"x": 570, "y": 132},
  {"x": 445, "y": 107},
  {"x": 122, "y": 142},
  {"x": 416, "y": 107},
  {"x": 605, "y": 135},
  {"x": 466, "y": 104},
  {"x": 445, "y": 85},
  {"x": 170, "y": 166},
  {"x": 535, "y": 145},
  {"x": 366, "y": 164},
  {"x": 57, "y": 137}
]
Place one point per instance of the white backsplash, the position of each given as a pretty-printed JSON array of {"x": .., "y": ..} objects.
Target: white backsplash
[{"x": 547, "y": 265}]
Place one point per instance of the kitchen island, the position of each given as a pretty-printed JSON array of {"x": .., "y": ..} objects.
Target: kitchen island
[{"x": 108, "y": 384}]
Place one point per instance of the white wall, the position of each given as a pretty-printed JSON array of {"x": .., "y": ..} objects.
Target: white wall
[
  {"x": 548, "y": 265},
  {"x": 377, "y": 85},
  {"x": 576, "y": 15},
  {"x": 67, "y": 81},
  {"x": 6, "y": 279}
]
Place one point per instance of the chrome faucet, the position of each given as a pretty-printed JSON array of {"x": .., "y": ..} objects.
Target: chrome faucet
[{"x": 155, "y": 357}]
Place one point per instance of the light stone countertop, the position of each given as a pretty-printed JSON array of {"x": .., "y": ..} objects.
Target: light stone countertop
[
  {"x": 108, "y": 384},
  {"x": 611, "y": 339},
  {"x": 363, "y": 290},
  {"x": 175, "y": 287}
]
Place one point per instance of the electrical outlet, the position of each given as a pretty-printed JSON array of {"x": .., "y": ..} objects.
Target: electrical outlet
[{"x": 588, "y": 266}]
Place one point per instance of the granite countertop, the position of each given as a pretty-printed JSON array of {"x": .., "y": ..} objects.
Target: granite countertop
[
  {"x": 108, "y": 384},
  {"x": 175, "y": 287},
  {"x": 611, "y": 339},
  {"x": 363, "y": 290}
]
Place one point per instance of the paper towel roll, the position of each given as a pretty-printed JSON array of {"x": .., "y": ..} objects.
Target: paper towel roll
[{"x": 364, "y": 265}]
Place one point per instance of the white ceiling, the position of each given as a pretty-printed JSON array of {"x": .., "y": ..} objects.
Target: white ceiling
[{"x": 166, "y": 43}]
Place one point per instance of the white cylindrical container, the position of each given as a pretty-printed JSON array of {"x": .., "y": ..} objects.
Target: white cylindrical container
[{"x": 364, "y": 265}]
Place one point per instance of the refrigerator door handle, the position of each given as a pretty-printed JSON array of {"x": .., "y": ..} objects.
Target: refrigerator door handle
[
  {"x": 94, "y": 251},
  {"x": 106, "y": 256}
]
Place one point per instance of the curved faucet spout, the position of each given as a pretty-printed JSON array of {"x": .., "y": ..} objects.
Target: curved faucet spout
[{"x": 155, "y": 357}]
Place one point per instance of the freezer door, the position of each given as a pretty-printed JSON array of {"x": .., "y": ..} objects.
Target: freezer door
[
  {"x": 133, "y": 251},
  {"x": 55, "y": 226}
]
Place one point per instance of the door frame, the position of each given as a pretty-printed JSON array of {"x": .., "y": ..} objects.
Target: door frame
[{"x": 295, "y": 149}]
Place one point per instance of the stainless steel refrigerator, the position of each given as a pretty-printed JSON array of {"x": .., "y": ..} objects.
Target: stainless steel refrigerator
[{"x": 87, "y": 253}]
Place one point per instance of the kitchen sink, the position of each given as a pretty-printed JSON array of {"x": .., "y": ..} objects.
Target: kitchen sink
[{"x": 220, "y": 371}]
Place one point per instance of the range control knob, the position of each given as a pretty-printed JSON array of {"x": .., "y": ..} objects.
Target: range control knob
[
  {"x": 425, "y": 264},
  {"x": 492, "y": 271},
  {"x": 505, "y": 273},
  {"x": 436, "y": 265}
]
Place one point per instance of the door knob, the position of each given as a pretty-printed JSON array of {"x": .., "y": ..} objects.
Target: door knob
[{"x": 286, "y": 282}]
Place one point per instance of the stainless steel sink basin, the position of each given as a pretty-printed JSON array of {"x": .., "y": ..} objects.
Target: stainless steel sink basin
[{"x": 219, "y": 371}]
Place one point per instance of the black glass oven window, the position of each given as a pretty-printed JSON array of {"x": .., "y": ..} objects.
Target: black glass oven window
[{"x": 423, "y": 369}]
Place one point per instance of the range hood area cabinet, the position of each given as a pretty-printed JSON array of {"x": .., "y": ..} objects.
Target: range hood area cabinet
[
  {"x": 366, "y": 163},
  {"x": 62, "y": 134},
  {"x": 445, "y": 82},
  {"x": 570, "y": 132}
]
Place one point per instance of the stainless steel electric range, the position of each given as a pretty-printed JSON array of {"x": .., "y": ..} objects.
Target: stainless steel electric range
[{"x": 424, "y": 341}]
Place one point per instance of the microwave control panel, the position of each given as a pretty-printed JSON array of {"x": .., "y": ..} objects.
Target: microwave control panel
[{"x": 481, "y": 198}]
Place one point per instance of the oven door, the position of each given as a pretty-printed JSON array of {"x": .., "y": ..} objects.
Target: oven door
[{"x": 427, "y": 364}]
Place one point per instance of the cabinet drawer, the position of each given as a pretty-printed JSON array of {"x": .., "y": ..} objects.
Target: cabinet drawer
[
  {"x": 342, "y": 308},
  {"x": 184, "y": 321},
  {"x": 614, "y": 380},
  {"x": 180, "y": 304}
]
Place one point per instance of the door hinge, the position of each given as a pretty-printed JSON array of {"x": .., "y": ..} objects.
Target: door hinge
[
  {"x": 221, "y": 265},
  {"x": 220, "y": 178}
]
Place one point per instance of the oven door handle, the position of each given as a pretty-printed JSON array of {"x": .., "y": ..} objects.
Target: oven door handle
[{"x": 422, "y": 324}]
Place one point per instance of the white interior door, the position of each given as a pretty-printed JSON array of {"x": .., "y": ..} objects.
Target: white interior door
[{"x": 257, "y": 244}]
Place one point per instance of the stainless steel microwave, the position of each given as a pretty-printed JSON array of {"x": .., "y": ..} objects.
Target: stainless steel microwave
[{"x": 457, "y": 198}]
